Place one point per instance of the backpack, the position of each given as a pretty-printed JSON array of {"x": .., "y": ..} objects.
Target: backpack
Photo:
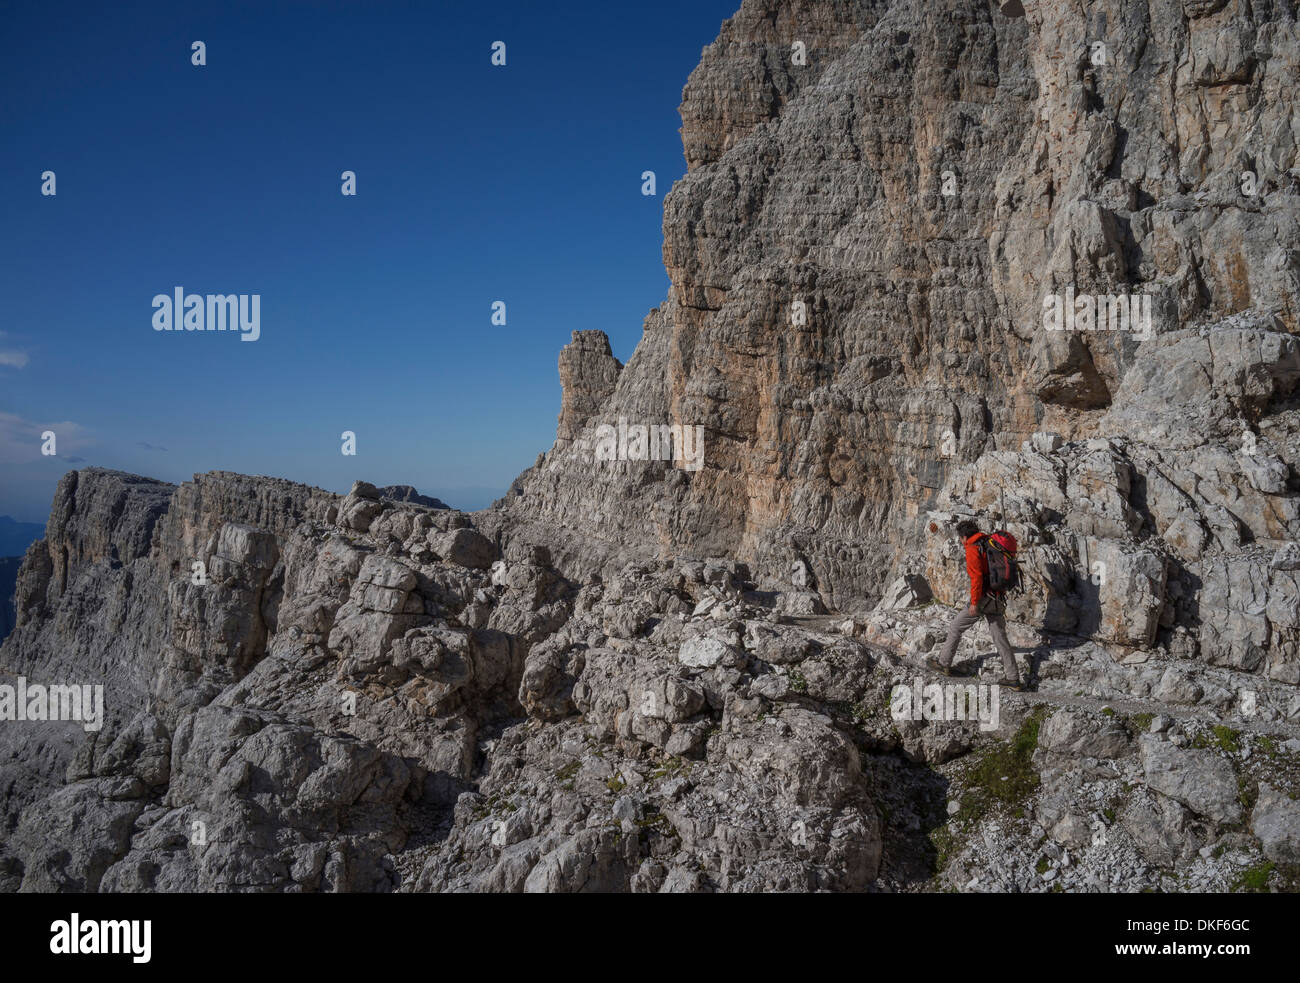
[{"x": 998, "y": 550}]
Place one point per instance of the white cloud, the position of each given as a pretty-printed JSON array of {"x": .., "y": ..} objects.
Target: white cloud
[
  {"x": 20, "y": 439},
  {"x": 17, "y": 360}
]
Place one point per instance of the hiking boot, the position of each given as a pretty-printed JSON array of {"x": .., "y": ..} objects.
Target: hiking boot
[
  {"x": 1011, "y": 684},
  {"x": 936, "y": 666}
]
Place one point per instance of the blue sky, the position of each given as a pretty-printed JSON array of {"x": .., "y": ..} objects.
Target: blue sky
[{"x": 475, "y": 184}]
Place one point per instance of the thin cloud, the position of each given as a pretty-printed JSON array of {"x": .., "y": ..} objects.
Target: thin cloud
[
  {"x": 150, "y": 447},
  {"x": 21, "y": 440},
  {"x": 15, "y": 360}
]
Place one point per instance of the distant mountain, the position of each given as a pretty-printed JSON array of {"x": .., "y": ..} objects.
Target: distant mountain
[
  {"x": 406, "y": 493},
  {"x": 16, "y": 536}
]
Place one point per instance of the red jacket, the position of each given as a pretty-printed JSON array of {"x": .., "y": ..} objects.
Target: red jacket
[{"x": 975, "y": 568}]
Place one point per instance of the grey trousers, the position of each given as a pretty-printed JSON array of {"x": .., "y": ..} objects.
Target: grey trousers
[{"x": 991, "y": 609}]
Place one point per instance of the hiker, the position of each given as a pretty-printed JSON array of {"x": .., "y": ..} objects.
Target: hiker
[{"x": 983, "y": 603}]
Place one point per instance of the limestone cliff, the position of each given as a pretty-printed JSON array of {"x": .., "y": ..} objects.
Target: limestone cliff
[{"x": 859, "y": 256}]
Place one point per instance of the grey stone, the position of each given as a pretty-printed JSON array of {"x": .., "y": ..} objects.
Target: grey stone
[{"x": 1200, "y": 780}]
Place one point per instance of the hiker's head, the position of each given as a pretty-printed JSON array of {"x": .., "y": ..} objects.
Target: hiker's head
[{"x": 967, "y": 528}]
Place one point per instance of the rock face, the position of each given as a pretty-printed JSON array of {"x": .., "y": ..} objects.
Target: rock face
[
  {"x": 850, "y": 335},
  {"x": 588, "y": 374},
  {"x": 307, "y": 692},
  {"x": 641, "y": 675}
]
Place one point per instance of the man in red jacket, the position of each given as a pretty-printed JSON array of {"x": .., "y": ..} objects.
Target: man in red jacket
[{"x": 982, "y": 605}]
